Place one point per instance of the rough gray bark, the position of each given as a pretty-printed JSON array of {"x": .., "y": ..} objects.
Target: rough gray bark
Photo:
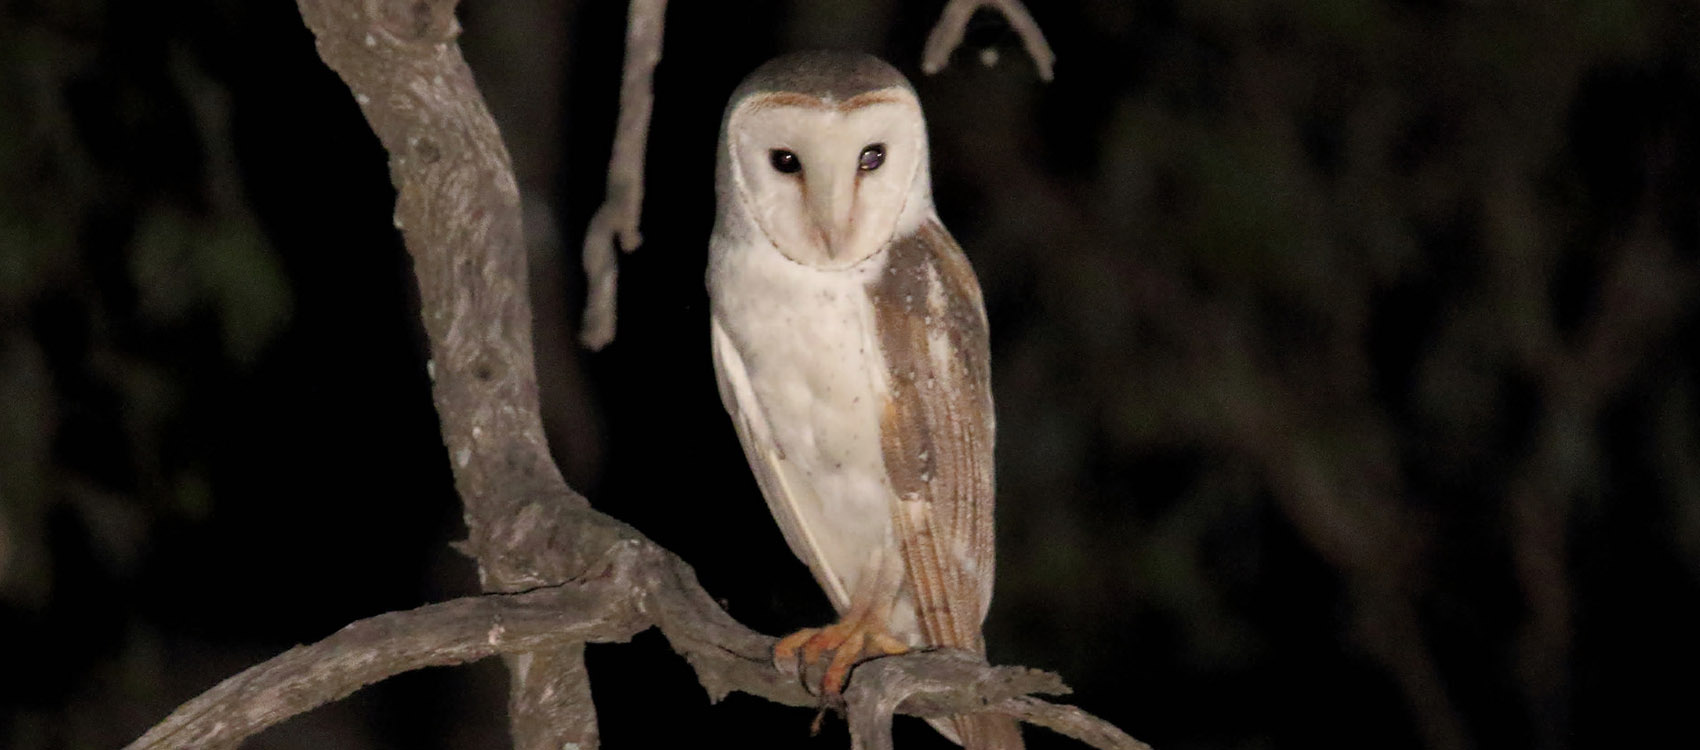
[
  {"x": 370, "y": 650},
  {"x": 458, "y": 208},
  {"x": 524, "y": 93},
  {"x": 933, "y": 684},
  {"x": 638, "y": 585}
]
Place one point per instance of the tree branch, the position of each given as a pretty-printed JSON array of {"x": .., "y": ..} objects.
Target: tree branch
[
  {"x": 952, "y": 25},
  {"x": 945, "y": 683},
  {"x": 452, "y": 632},
  {"x": 623, "y": 204},
  {"x": 637, "y": 584},
  {"x": 458, "y": 208}
]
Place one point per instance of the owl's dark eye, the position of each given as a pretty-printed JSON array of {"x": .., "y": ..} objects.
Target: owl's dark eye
[
  {"x": 873, "y": 155},
  {"x": 784, "y": 161}
]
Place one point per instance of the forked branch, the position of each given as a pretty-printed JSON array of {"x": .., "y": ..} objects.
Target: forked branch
[
  {"x": 637, "y": 585},
  {"x": 952, "y": 26}
]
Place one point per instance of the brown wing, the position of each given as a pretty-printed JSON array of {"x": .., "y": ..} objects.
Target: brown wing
[{"x": 936, "y": 430}]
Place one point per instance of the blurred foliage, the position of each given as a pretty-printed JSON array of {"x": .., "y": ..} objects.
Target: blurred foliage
[
  {"x": 122, "y": 227},
  {"x": 125, "y": 238},
  {"x": 1404, "y": 275},
  {"x": 1343, "y": 357}
]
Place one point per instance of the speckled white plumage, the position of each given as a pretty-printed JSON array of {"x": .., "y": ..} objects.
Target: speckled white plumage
[{"x": 800, "y": 369}]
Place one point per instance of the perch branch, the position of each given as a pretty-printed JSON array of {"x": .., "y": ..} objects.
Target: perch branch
[
  {"x": 617, "y": 219},
  {"x": 944, "y": 683},
  {"x": 635, "y": 585},
  {"x": 952, "y": 25}
]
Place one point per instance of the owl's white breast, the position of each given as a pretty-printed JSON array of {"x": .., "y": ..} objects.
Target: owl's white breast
[{"x": 812, "y": 360}]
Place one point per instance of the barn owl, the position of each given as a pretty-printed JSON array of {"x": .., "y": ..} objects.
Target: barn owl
[{"x": 850, "y": 348}]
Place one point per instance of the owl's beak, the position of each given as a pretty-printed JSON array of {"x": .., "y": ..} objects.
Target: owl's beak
[{"x": 832, "y": 195}]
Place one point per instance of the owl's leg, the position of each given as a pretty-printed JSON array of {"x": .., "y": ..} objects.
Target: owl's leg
[{"x": 863, "y": 631}]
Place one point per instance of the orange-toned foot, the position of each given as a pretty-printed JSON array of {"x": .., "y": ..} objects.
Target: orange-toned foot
[
  {"x": 848, "y": 641},
  {"x": 785, "y": 652}
]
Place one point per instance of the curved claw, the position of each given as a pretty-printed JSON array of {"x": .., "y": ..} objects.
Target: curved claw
[
  {"x": 849, "y": 643},
  {"x": 785, "y": 653}
]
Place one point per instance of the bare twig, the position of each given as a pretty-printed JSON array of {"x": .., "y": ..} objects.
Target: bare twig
[
  {"x": 953, "y": 24},
  {"x": 623, "y": 204}
]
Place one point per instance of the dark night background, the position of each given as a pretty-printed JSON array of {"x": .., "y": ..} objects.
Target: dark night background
[{"x": 1344, "y": 355}]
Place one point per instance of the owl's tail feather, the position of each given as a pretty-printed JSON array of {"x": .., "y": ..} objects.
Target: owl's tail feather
[{"x": 982, "y": 732}]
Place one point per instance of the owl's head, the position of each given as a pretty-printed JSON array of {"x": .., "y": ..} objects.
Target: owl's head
[{"x": 825, "y": 153}]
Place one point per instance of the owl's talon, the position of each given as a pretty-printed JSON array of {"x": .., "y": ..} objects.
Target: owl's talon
[
  {"x": 785, "y": 657},
  {"x": 848, "y": 643},
  {"x": 838, "y": 670},
  {"x": 828, "y": 639}
]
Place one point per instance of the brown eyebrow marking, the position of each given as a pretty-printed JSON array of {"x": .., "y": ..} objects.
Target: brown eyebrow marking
[
  {"x": 809, "y": 101},
  {"x": 785, "y": 99},
  {"x": 887, "y": 96}
]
